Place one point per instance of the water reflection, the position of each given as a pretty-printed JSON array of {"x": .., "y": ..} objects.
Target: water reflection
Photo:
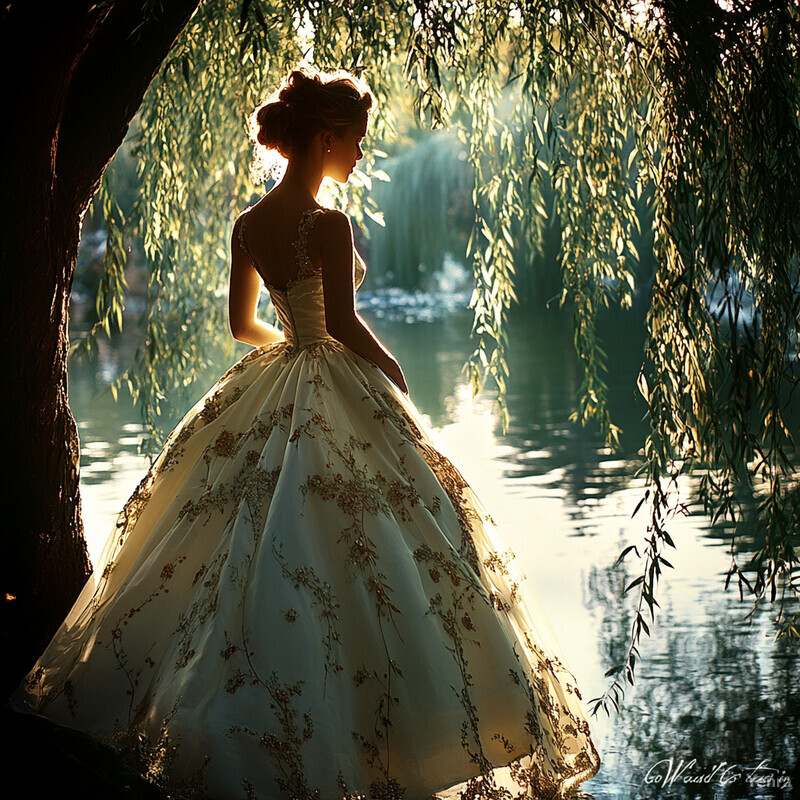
[{"x": 710, "y": 688}]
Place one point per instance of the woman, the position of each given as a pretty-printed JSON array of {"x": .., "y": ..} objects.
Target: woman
[{"x": 303, "y": 598}]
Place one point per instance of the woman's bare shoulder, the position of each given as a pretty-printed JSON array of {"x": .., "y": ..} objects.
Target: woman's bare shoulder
[
  {"x": 333, "y": 232},
  {"x": 332, "y": 220},
  {"x": 239, "y": 219}
]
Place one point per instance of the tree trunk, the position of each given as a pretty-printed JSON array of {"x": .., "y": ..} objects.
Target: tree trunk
[{"x": 75, "y": 76}]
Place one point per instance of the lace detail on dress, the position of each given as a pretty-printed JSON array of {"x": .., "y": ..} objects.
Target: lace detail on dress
[
  {"x": 239, "y": 230},
  {"x": 305, "y": 268},
  {"x": 301, "y": 559}
]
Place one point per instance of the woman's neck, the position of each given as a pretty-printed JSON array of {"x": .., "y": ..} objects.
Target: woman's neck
[{"x": 302, "y": 179}]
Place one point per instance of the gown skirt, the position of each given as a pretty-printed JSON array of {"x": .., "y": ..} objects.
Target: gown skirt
[{"x": 303, "y": 598}]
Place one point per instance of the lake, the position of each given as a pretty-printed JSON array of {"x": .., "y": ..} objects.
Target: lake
[{"x": 715, "y": 711}]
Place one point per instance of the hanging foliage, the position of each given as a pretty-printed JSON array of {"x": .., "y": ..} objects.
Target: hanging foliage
[{"x": 694, "y": 105}]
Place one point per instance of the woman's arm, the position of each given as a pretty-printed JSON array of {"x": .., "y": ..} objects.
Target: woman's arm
[
  {"x": 243, "y": 290},
  {"x": 341, "y": 318}
]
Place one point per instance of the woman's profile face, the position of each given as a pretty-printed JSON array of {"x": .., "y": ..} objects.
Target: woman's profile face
[{"x": 346, "y": 151}]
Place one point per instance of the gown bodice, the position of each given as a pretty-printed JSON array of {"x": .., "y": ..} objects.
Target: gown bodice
[{"x": 300, "y": 304}]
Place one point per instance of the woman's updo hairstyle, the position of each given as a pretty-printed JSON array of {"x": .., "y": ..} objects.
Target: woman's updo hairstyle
[{"x": 305, "y": 104}]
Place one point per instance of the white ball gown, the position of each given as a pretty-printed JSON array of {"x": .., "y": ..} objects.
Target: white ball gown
[{"x": 303, "y": 598}]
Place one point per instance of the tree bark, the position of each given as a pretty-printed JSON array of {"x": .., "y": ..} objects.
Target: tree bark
[{"x": 75, "y": 74}]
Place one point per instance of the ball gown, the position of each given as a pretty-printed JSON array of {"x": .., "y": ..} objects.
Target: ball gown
[{"x": 303, "y": 598}]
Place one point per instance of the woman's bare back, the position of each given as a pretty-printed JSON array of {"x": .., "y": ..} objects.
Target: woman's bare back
[{"x": 271, "y": 236}]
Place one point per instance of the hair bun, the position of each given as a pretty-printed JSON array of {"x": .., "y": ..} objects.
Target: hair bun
[
  {"x": 274, "y": 122},
  {"x": 307, "y": 103}
]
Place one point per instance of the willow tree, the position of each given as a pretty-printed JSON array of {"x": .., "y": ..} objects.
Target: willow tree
[
  {"x": 695, "y": 104},
  {"x": 74, "y": 75}
]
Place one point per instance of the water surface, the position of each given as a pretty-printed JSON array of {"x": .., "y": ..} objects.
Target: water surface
[{"x": 715, "y": 712}]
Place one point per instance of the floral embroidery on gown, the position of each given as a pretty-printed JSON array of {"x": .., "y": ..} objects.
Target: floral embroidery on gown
[{"x": 303, "y": 598}]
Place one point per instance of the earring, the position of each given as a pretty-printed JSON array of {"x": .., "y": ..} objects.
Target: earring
[{"x": 329, "y": 149}]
